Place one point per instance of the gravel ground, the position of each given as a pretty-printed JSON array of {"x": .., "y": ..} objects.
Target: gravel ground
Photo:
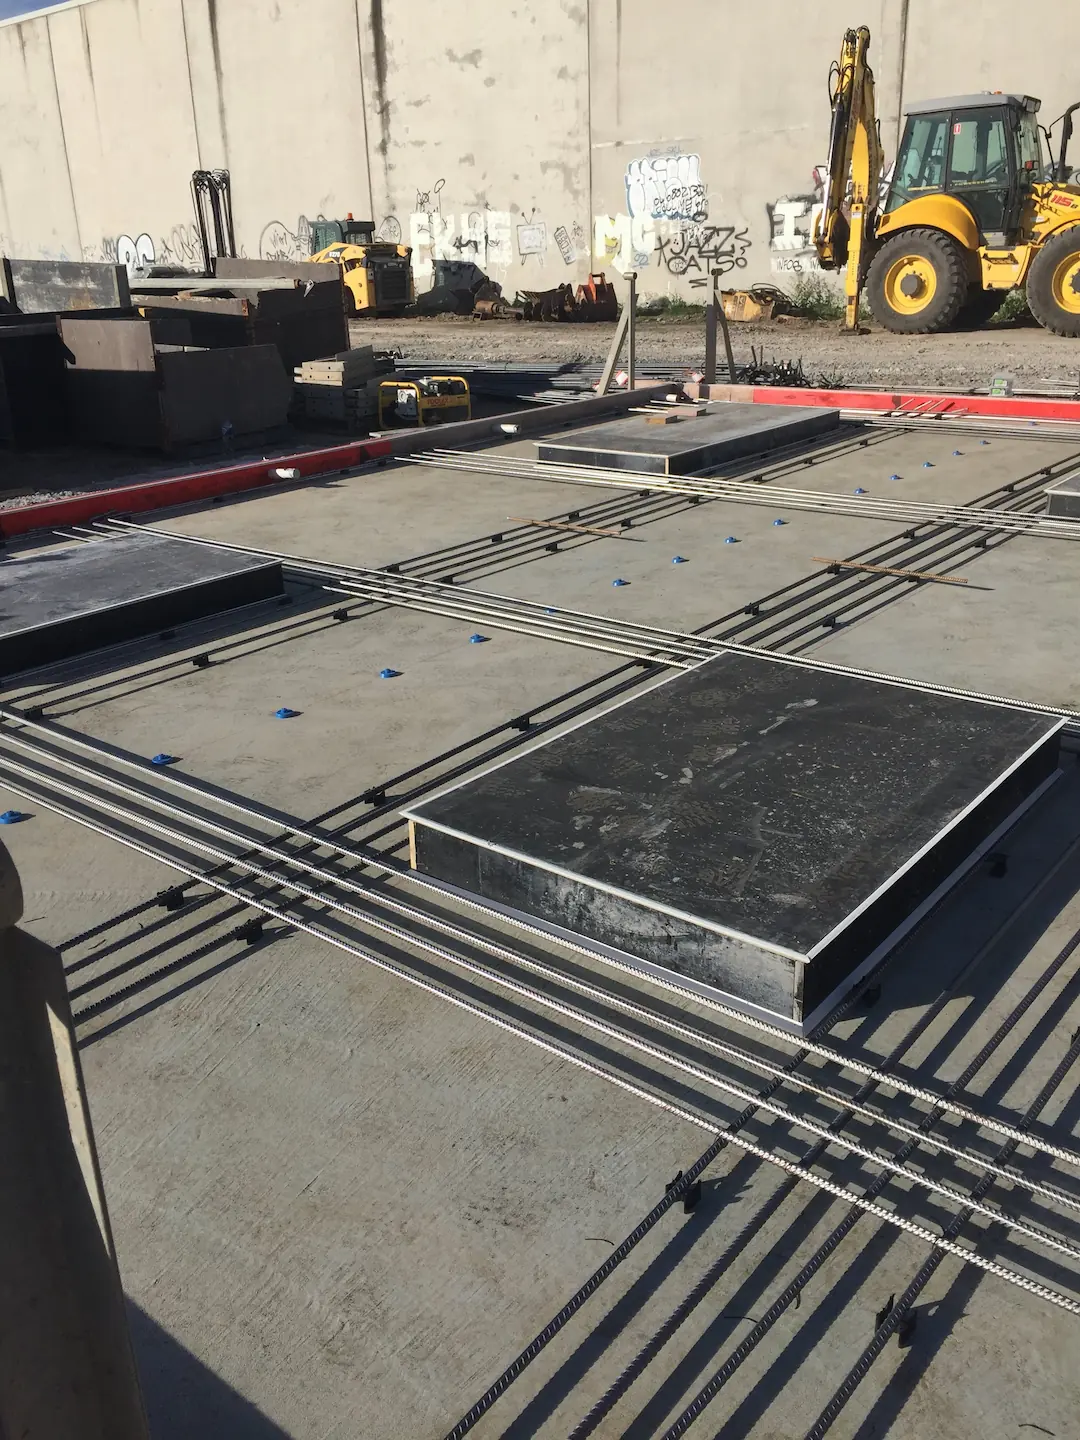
[{"x": 961, "y": 359}]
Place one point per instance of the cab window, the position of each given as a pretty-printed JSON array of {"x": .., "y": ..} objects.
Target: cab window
[
  {"x": 980, "y": 168},
  {"x": 920, "y": 165},
  {"x": 1031, "y": 157},
  {"x": 979, "y": 153}
]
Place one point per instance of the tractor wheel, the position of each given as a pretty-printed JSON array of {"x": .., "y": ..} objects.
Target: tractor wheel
[
  {"x": 979, "y": 307},
  {"x": 1053, "y": 285},
  {"x": 918, "y": 281}
]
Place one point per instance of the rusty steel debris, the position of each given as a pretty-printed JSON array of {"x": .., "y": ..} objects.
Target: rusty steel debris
[
  {"x": 555, "y": 304},
  {"x": 497, "y": 309},
  {"x": 593, "y": 301}
]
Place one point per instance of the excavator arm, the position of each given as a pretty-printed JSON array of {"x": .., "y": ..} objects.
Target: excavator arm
[{"x": 841, "y": 237}]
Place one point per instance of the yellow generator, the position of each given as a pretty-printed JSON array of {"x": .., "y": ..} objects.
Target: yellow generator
[
  {"x": 377, "y": 274},
  {"x": 430, "y": 400},
  {"x": 972, "y": 209}
]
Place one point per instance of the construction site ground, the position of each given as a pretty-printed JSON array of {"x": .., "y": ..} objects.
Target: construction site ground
[
  {"x": 342, "y": 1205},
  {"x": 958, "y": 358}
]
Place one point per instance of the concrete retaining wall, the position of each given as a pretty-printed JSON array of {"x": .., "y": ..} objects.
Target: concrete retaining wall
[
  {"x": 536, "y": 137},
  {"x": 66, "y": 1363}
]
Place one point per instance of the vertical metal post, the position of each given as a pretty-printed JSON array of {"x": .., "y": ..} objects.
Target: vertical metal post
[
  {"x": 631, "y": 305},
  {"x": 718, "y": 306},
  {"x": 710, "y": 342},
  {"x": 615, "y": 351}
]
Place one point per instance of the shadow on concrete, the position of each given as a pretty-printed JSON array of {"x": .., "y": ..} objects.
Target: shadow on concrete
[
  {"x": 936, "y": 1323},
  {"x": 543, "y": 1406},
  {"x": 183, "y": 962},
  {"x": 937, "y": 1318},
  {"x": 751, "y": 1411},
  {"x": 811, "y": 1336},
  {"x": 183, "y": 1397},
  {"x": 670, "y": 1392}
]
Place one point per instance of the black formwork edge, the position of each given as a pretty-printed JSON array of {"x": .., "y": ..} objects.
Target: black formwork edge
[
  {"x": 690, "y": 444},
  {"x": 840, "y": 956},
  {"x": 94, "y": 630},
  {"x": 771, "y": 971}
]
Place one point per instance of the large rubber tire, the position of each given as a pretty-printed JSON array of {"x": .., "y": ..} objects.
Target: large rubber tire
[
  {"x": 1053, "y": 284},
  {"x": 936, "y": 264},
  {"x": 979, "y": 307}
]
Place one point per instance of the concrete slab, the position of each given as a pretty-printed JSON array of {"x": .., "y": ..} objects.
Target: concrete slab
[
  {"x": 1063, "y": 499},
  {"x": 752, "y": 827},
  {"x": 1009, "y": 631},
  {"x": 375, "y": 518},
  {"x": 221, "y": 722},
  {"x": 725, "y": 432},
  {"x": 68, "y": 600},
  {"x": 336, "y": 1195}
]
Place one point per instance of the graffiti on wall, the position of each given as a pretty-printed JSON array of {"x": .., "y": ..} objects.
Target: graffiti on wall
[
  {"x": 532, "y": 239},
  {"x": 624, "y": 242},
  {"x": 494, "y": 240},
  {"x": 278, "y": 242},
  {"x": 666, "y": 224},
  {"x": 571, "y": 243},
  {"x": 695, "y": 252},
  {"x": 491, "y": 239},
  {"x": 424, "y": 197},
  {"x": 180, "y": 247},
  {"x": 486, "y": 237},
  {"x": 791, "y": 219},
  {"x": 666, "y": 186},
  {"x": 138, "y": 254},
  {"x": 689, "y": 252}
]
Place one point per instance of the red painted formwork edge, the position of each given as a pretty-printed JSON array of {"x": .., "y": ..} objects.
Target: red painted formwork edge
[
  {"x": 309, "y": 464},
  {"x": 999, "y": 407},
  {"x": 182, "y": 489},
  {"x": 252, "y": 474}
]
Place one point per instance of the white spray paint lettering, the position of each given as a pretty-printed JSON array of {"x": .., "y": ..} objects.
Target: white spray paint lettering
[
  {"x": 624, "y": 241},
  {"x": 135, "y": 254},
  {"x": 485, "y": 237},
  {"x": 791, "y": 221},
  {"x": 666, "y": 187}
]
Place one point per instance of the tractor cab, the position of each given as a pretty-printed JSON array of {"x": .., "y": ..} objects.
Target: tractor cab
[
  {"x": 325, "y": 233},
  {"x": 377, "y": 273},
  {"x": 986, "y": 150}
]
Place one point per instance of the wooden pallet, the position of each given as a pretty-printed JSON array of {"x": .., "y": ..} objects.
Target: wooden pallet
[
  {"x": 345, "y": 370},
  {"x": 326, "y": 403}
]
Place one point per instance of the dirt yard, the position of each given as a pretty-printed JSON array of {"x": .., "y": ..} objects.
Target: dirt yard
[{"x": 961, "y": 359}]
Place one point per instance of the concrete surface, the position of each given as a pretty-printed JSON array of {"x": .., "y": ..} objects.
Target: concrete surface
[
  {"x": 536, "y": 139},
  {"x": 342, "y": 1205}
]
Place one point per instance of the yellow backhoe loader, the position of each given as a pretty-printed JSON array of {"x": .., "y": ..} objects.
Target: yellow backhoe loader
[{"x": 971, "y": 210}]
